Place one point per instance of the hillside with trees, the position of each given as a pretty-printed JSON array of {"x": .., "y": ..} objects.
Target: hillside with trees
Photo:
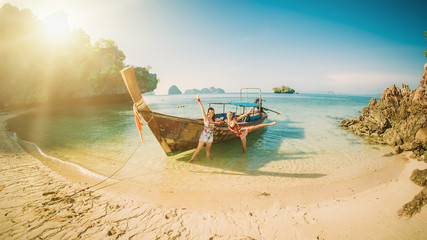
[{"x": 36, "y": 68}]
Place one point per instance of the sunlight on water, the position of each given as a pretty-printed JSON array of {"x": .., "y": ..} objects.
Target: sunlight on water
[{"x": 307, "y": 142}]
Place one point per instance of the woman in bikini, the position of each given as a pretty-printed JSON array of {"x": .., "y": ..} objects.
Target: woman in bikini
[
  {"x": 207, "y": 134},
  {"x": 242, "y": 132}
]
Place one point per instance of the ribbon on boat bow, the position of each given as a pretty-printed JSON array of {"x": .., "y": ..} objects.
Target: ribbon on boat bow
[{"x": 138, "y": 121}]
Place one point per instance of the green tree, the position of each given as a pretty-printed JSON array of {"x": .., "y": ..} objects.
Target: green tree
[
  {"x": 106, "y": 61},
  {"x": 147, "y": 81}
]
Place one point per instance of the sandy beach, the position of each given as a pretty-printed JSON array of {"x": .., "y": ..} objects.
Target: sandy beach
[{"x": 45, "y": 199}]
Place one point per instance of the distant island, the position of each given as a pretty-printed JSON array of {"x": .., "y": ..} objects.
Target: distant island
[
  {"x": 174, "y": 90},
  {"x": 284, "y": 89},
  {"x": 211, "y": 90}
]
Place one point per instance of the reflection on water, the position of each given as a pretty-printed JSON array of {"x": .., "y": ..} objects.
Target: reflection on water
[{"x": 307, "y": 142}]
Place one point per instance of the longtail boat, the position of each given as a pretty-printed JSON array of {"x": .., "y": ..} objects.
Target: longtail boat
[{"x": 177, "y": 134}]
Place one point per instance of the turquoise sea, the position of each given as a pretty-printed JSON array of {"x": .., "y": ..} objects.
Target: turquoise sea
[{"x": 307, "y": 143}]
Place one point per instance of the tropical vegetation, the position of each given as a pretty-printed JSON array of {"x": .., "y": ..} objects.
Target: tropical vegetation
[
  {"x": 283, "y": 89},
  {"x": 36, "y": 67}
]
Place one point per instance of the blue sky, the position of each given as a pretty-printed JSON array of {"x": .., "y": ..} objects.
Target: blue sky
[{"x": 350, "y": 47}]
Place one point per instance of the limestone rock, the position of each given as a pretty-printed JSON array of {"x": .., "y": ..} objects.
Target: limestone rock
[
  {"x": 392, "y": 138},
  {"x": 398, "y": 118},
  {"x": 420, "y": 94}
]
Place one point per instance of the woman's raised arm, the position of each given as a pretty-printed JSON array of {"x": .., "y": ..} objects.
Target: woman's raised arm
[{"x": 205, "y": 118}]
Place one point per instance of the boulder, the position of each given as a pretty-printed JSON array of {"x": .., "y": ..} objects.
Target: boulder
[
  {"x": 419, "y": 177},
  {"x": 421, "y": 137}
]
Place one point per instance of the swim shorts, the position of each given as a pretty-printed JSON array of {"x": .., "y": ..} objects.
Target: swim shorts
[{"x": 207, "y": 138}]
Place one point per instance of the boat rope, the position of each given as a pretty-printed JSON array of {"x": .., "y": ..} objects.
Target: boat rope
[
  {"x": 151, "y": 117},
  {"x": 140, "y": 104},
  {"x": 105, "y": 179}
]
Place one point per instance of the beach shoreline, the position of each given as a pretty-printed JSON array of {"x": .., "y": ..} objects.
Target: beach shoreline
[{"x": 49, "y": 200}]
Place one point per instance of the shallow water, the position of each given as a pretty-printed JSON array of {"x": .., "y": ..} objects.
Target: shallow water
[{"x": 306, "y": 145}]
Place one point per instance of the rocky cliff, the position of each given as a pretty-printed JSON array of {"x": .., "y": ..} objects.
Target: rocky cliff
[
  {"x": 173, "y": 90},
  {"x": 398, "y": 118}
]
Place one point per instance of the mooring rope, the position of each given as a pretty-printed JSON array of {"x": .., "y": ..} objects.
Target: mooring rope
[{"x": 109, "y": 177}]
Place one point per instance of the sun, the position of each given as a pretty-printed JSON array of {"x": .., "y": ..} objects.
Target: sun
[{"x": 56, "y": 26}]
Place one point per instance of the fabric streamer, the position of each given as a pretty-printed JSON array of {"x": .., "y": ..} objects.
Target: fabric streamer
[{"x": 138, "y": 121}]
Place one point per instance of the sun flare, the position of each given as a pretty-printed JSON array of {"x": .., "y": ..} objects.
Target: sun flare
[{"x": 56, "y": 26}]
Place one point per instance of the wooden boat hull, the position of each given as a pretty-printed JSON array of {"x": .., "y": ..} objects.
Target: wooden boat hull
[{"x": 177, "y": 134}]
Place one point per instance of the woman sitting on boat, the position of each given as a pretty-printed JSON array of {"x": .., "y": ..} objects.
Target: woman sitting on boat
[
  {"x": 242, "y": 132},
  {"x": 207, "y": 134}
]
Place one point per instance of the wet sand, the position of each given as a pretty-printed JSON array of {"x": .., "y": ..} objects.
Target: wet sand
[{"x": 49, "y": 200}]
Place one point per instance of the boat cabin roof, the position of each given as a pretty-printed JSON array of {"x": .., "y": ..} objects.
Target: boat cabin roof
[
  {"x": 240, "y": 104},
  {"x": 244, "y": 104}
]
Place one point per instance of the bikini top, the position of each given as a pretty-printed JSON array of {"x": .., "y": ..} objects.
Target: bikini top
[{"x": 236, "y": 127}]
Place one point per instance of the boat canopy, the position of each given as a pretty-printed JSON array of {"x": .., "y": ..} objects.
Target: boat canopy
[{"x": 244, "y": 104}]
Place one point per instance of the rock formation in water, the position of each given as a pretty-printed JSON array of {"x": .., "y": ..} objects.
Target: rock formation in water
[
  {"x": 398, "y": 118},
  {"x": 173, "y": 90}
]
